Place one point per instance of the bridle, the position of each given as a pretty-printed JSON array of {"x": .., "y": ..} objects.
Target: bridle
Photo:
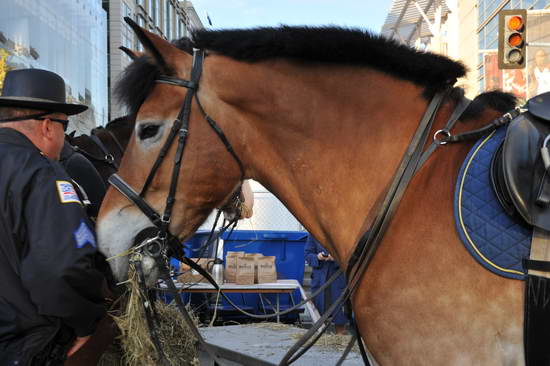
[
  {"x": 179, "y": 130},
  {"x": 157, "y": 241}
]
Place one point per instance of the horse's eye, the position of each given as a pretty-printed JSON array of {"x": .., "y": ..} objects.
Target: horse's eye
[{"x": 148, "y": 131}]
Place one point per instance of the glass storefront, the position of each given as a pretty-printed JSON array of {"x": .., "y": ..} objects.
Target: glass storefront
[{"x": 68, "y": 37}]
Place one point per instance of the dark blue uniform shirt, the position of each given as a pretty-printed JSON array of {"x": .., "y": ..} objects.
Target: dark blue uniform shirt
[{"x": 47, "y": 253}]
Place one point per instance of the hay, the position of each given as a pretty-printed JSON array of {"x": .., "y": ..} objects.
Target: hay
[
  {"x": 135, "y": 346},
  {"x": 336, "y": 342}
]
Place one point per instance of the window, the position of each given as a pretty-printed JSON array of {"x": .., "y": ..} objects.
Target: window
[
  {"x": 481, "y": 85},
  {"x": 126, "y": 11},
  {"x": 181, "y": 29},
  {"x": 127, "y": 38},
  {"x": 141, "y": 22},
  {"x": 168, "y": 20},
  {"x": 155, "y": 12}
]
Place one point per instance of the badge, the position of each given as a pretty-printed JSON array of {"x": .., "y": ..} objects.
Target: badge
[
  {"x": 83, "y": 235},
  {"x": 67, "y": 193}
]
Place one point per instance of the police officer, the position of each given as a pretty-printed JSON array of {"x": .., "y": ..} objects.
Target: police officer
[{"x": 50, "y": 301}]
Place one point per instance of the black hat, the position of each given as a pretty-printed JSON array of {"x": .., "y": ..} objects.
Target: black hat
[{"x": 37, "y": 89}]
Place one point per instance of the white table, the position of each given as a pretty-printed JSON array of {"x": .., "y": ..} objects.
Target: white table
[{"x": 279, "y": 287}]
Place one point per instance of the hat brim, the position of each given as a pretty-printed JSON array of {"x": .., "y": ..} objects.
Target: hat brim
[{"x": 42, "y": 104}]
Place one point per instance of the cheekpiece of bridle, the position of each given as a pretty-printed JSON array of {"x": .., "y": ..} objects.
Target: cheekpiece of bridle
[{"x": 159, "y": 243}]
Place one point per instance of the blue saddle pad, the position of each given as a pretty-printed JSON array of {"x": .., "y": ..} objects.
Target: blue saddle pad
[{"x": 496, "y": 240}]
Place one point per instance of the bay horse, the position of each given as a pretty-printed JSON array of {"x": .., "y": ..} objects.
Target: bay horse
[{"x": 321, "y": 117}]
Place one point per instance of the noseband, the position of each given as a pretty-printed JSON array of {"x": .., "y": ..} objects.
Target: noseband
[{"x": 180, "y": 129}]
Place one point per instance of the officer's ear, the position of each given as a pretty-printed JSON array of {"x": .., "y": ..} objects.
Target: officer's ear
[{"x": 47, "y": 129}]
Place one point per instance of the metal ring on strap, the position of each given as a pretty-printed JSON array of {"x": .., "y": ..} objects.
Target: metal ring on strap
[{"x": 442, "y": 141}]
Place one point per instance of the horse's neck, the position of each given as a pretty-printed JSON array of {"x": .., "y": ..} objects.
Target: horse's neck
[{"x": 325, "y": 141}]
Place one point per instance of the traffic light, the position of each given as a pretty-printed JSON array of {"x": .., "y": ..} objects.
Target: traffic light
[{"x": 512, "y": 39}]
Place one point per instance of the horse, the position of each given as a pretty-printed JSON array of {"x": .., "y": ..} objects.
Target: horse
[
  {"x": 105, "y": 146},
  {"x": 321, "y": 117}
]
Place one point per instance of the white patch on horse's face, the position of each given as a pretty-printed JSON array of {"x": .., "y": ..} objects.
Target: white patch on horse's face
[
  {"x": 149, "y": 132},
  {"x": 115, "y": 233}
]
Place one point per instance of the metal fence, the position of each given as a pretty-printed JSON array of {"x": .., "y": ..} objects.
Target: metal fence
[{"x": 269, "y": 214}]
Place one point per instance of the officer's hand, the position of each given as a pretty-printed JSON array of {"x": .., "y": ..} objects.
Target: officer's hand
[
  {"x": 321, "y": 257},
  {"x": 78, "y": 343}
]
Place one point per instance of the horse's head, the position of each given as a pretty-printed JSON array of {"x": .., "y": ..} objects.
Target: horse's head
[{"x": 208, "y": 175}]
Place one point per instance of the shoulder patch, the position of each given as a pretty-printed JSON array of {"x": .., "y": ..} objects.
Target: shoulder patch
[
  {"x": 83, "y": 235},
  {"x": 67, "y": 193}
]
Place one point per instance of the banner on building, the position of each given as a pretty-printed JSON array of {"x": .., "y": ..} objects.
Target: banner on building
[
  {"x": 492, "y": 74},
  {"x": 538, "y": 56}
]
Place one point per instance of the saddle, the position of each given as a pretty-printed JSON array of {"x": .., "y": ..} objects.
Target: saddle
[{"x": 520, "y": 174}]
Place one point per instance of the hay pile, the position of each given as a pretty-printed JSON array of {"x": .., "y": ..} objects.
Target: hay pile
[
  {"x": 328, "y": 340},
  {"x": 135, "y": 346}
]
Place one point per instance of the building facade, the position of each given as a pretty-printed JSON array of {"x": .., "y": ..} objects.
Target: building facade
[
  {"x": 519, "y": 82},
  {"x": 170, "y": 19},
  {"x": 467, "y": 30},
  {"x": 66, "y": 37}
]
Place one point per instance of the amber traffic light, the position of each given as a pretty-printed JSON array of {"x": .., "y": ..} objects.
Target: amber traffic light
[{"x": 512, "y": 39}]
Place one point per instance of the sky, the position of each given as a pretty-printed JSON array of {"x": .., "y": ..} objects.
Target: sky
[{"x": 364, "y": 14}]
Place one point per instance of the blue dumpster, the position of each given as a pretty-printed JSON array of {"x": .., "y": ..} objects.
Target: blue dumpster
[
  {"x": 288, "y": 249},
  {"x": 193, "y": 248}
]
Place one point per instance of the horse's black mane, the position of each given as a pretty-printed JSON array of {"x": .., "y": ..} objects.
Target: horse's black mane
[
  {"x": 334, "y": 45},
  {"x": 495, "y": 99},
  {"x": 303, "y": 44}
]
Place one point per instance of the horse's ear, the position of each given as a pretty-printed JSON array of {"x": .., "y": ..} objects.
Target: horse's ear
[
  {"x": 164, "y": 54},
  {"x": 131, "y": 53},
  {"x": 71, "y": 135}
]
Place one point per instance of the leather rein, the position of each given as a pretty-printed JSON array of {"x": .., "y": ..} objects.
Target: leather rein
[{"x": 160, "y": 246}]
